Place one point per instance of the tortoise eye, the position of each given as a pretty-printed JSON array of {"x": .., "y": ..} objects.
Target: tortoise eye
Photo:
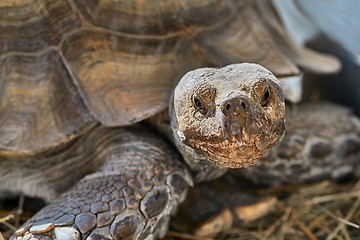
[
  {"x": 265, "y": 97},
  {"x": 199, "y": 105}
]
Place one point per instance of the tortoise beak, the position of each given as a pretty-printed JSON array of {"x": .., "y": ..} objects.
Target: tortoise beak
[{"x": 237, "y": 112}]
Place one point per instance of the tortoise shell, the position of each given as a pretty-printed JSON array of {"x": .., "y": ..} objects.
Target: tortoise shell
[{"x": 67, "y": 64}]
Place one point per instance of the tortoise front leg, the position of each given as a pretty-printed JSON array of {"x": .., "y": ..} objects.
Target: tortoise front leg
[{"x": 131, "y": 196}]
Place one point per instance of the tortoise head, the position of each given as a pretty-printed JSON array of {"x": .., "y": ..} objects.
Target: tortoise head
[{"x": 229, "y": 116}]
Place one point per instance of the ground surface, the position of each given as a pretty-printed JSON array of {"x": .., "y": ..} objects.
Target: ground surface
[{"x": 318, "y": 211}]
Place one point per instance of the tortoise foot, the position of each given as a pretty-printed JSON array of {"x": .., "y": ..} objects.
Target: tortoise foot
[{"x": 131, "y": 196}]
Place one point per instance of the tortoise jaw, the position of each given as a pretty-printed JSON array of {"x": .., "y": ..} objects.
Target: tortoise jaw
[
  {"x": 237, "y": 140},
  {"x": 242, "y": 149},
  {"x": 236, "y": 145}
]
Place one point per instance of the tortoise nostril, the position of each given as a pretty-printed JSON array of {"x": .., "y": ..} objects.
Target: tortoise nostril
[
  {"x": 227, "y": 106},
  {"x": 235, "y": 105},
  {"x": 243, "y": 104}
]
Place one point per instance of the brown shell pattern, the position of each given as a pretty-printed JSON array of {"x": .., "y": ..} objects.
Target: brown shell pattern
[{"x": 67, "y": 64}]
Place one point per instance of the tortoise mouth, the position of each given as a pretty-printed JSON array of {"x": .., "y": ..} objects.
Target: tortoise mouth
[{"x": 241, "y": 149}]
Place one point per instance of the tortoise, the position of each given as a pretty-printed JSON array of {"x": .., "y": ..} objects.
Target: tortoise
[{"x": 74, "y": 74}]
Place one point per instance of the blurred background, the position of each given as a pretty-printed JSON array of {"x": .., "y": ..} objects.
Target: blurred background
[{"x": 329, "y": 26}]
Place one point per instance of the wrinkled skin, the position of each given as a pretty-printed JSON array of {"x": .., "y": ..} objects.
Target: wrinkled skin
[
  {"x": 229, "y": 116},
  {"x": 322, "y": 141}
]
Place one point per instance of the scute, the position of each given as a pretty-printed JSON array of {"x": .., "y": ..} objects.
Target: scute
[
  {"x": 39, "y": 103},
  {"x": 154, "y": 18},
  {"x": 233, "y": 41},
  {"x": 132, "y": 17},
  {"x": 29, "y": 26},
  {"x": 120, "y": 59},
  {"x": 306, "y": 59},
  {"x": 123, "y": 79}
]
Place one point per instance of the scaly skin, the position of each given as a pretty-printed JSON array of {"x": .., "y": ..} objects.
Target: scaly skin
[
  {"x": 229, "y": 116},
  {"x": 131, "y": 196},
  {"x": 139, "y": 180},
  {"x": 322, "y": 141}
]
